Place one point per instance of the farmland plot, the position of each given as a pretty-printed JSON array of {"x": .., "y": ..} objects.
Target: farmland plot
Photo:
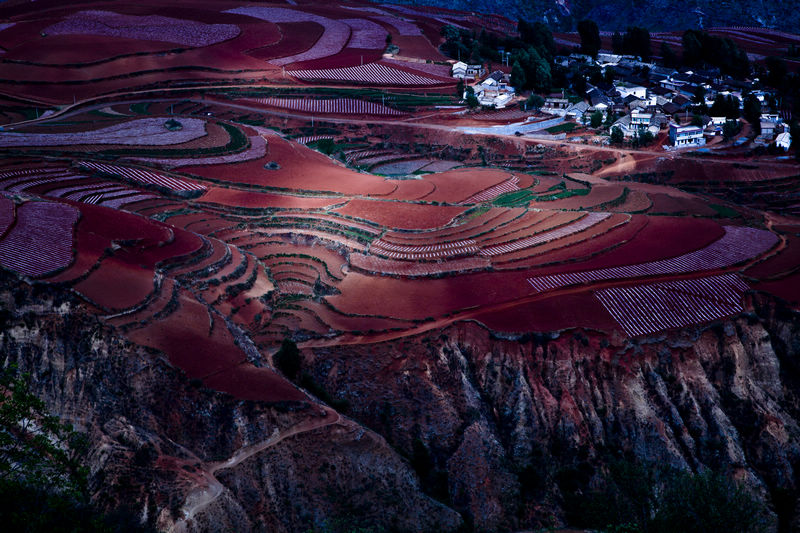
[
  {"x": 737, "y": 245},
  {"x": 339, "y": 106},
  {"x": 370, "y": 74},
  {"x": 366, "y": 34},
  {"x": 41, "y": 241},
  {"x": 644, "y": 309},
  {"x": 139, "y": 132},
  {"x": 147, "y": 28},
  {"x": 546, "y": 236},
  {"x": 333, "y": 39},
  {"x": 144, "y": 176}
]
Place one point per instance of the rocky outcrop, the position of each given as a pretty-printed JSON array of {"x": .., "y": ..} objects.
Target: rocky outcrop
[
  {"x": 514, "y": 423},
  {"x": 185, "y": 458}
]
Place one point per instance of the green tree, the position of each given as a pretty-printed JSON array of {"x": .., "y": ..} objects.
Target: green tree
[
  {"x": 518, "y": 79},
  {"x": 287, "y": 359},
  {"x": 636, "y": 41},
  {"x": 597, "y": 119},
  {"x": 668, "y": 55},
  {"x": 617, "y": 43},
  {"x": 617, "y": 137},
  {"x": 43, "y": 482},
  {"x": 708, "y": 502},
  {"x": 472, "y": 100},
  {"x": 794, "y": 131},
  {"x": 590, "y": 37},
  {"x": 535, "y": 102},
  {"x": 460, "y": 89},
  {"x": 730, "y": 129},
  {"x": 752, "y": 112}
]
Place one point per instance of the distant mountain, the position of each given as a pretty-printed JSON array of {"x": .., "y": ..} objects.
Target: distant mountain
[{"x": 652, "y": 14}]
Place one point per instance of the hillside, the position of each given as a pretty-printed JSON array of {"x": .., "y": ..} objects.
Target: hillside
[
  {"x": 656, "y": 15},
  {"x": 283, "y": 278}
]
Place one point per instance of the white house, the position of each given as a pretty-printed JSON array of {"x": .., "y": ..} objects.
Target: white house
[
  {"x": 626, "y": 89},
  {"x": 783, "y": 140},
  {"x": 459, "y": 70},
  {"x": 767, "y": 129},
  {"x": 686, "y": 135}
]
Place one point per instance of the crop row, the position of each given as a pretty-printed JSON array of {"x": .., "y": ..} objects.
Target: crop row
[
  {"x": 41, "y": 240},
  {"x": 644, "y": 309},
  {"x": 341, "y": 106},
  {"x": 737, "y": 245},
  {"x": 491, "y": 193},
  {"x": 546, "y": 236},
  {"x": 371, "y": 74},
  {"x": 144, "y": 176}
]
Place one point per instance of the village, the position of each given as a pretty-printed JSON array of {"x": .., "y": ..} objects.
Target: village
[{"x": 641, "y": 102}]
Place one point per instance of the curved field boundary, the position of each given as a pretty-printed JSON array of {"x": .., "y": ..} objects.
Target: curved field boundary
[
  {"x": 370, "y": 74},
  {"x": 41, "y": 241},
  {"x": 7, "y": 216},
  {"x": 655, "y": 307},
  {"x": 510, "y": 185},
  {"x": 146, "y": 28},
  {"x": 333, "y": 39},
  {"x": 144, "y": 176},
  {"x": 257, "y": 150},
  {"x": 379, "y": 265},
  {"x": 338, "y": 106},
  {"x": 737, "y": 245},
  {"x": 586, "y": 222},
  {"x": 366, "y": 34},
  {"x": 403, "y": 27},
  {"x": 139, "y": 132},
  {"x": 37, "y": 177}
]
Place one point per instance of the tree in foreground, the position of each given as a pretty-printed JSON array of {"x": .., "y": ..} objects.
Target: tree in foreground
[
  {"x": 597, "y": 119},
  {"x": 43, "y": 482},
  {"x": 590, "y": 37},
  {"x": 616, "y": 135},
  {"x": 287, "y": 359}
]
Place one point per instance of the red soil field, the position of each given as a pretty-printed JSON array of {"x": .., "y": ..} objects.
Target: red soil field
[
  {"x": 787, "y": 288},
  {"x": 784, "y": 261},
  {"x": 662, "y": 238},
  {"x": 296, "y": 37},
  {"x": 418, "y": 299},
  {"x": 458, "y": 185},
  {"x": 600, "y": 244},
  {"x": 117, "y": 284},
  {"x": 579, "y": 310},
  {"x": 238, "y": 197},
  {"x": 301, "y": 169},
  {"x": 401, "y": 215},
  {"x": 410, "y": 189}
]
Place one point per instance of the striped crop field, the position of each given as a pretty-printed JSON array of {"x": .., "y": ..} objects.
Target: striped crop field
[
  {"x": 491, "y": 193},
  {"x": 546, "y": 236},
  {"x": 41, "y": 240},
  {"x": 339, "y": 106},
  {"x": 653, "y": 307},
  {"x": 6, "y": 214},
  {"x": 430, "y": 251},
  {"x": 312, "y": 138},
  {"x": 369, "y": 74},
  {"x": 737, "y": 245},
  {"x": 144, "y": 176}
]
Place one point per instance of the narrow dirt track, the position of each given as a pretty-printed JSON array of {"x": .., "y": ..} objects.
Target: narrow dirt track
[{"x": 200, "y": 498}]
